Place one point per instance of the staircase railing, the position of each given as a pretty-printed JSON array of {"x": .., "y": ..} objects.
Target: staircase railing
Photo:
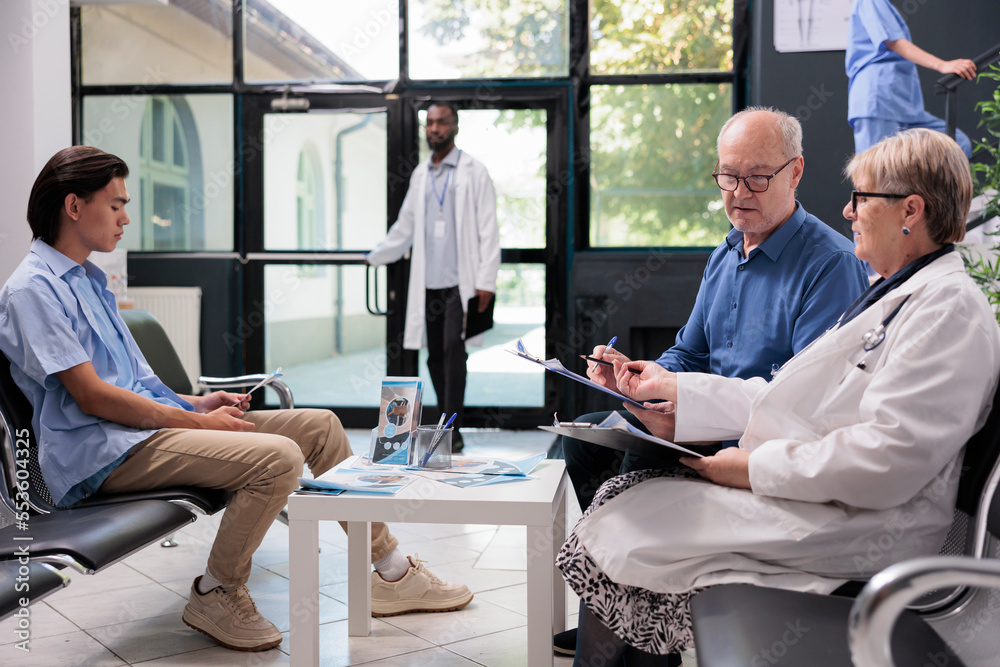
[{"x": 948, "y": 85}]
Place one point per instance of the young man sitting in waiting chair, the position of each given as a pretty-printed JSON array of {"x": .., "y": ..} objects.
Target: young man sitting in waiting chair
[{"x": 106, "y": 424}]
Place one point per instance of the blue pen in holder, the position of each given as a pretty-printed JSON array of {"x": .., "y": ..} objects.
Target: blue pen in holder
[{"x": 432, "y": 448}]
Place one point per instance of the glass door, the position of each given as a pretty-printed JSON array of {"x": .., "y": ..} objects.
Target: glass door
[
  {"x": 322, "y": 188},
  {"x": 512, "y": 144},
  {"x": 316, "y": 199}
]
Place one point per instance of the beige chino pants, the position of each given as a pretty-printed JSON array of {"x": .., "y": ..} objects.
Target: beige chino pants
[{"x": 261, "y": 467}]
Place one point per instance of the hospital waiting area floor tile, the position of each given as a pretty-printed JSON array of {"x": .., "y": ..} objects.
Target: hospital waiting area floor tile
[{"x": 130, "y": 614}]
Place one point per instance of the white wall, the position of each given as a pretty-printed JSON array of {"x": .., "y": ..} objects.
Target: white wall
[{"x": 36, "y": 120}]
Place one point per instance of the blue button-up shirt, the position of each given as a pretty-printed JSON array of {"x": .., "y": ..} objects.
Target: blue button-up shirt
[
  {"x": 48, "y": 326},
  {"x": 754, "y": 313},
  {"x": 882, "y": 83}
]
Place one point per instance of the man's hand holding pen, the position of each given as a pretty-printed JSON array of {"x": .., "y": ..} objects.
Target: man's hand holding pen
[
  {"x": 604, "y": 374},
  {"x": 653, "y": 381}
]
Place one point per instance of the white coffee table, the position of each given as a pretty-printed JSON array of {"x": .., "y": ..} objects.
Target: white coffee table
[{"x": 539, "y": 504}]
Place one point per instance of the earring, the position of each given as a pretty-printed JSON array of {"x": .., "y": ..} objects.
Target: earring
[{"x": 906, "y": 231}]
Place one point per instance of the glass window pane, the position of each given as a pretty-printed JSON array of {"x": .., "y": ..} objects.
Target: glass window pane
[
  {"x": 493, "y": 378},
  {"x": 305, "y": 40},
  {"x": 487, "y": 39},
  {"x": 330, "y": 348},
  {"x": 156, "y": 118},
  {"x": 185, "y": 42},
  {"x": 512, "y": 145},
  {"x": 344, "y": 203},
  {"x": 646, "y": 36},
  {"x": 652, "y": 154},
  {"x": 180, "y": 201}
]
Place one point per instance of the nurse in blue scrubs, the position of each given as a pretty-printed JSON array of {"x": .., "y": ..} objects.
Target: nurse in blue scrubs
[{"x": 884, "y": 91}]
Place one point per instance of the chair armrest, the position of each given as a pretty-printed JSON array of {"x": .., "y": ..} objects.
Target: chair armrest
[
  {"x": 285, "y": 399},
  {"x": 887, "y": 594}
]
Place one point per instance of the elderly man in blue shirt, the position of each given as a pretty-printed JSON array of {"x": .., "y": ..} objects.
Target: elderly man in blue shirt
[
  {"x": 781, "y": 278},
  {"x": 105, "y": 422},
  {"x": 884, "y": 95}
]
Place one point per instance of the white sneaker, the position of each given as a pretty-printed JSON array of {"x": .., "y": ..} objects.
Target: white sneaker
[{"x": 418, "y": 590}]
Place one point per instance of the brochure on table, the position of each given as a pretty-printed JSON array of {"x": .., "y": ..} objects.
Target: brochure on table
[
  {"x": 466, "y": 480},
  {"x": 399, "y": 415},
  {"x": 464, "y": 471},
  {"x": 472, "y": 465},
  {"x": 472, "y": 471},
  {"x": 360, "y": 481},
  {"x": 556, "y": 366}
]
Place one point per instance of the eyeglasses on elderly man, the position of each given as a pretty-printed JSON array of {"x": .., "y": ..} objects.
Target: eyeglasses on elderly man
[{"x": 754, "y": 182}]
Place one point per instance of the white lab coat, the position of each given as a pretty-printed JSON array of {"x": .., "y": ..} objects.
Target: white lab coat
[
  {"x": 476, "y": 233},
  {"x": 853, "y": 468}
]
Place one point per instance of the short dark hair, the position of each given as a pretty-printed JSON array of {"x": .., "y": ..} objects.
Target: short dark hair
[
  {"x": 447, "y": 105},
  {"x": 78, "y": 170}
]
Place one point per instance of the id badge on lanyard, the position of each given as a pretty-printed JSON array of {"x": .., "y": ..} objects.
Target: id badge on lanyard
[{"x": 439, "y": 224}]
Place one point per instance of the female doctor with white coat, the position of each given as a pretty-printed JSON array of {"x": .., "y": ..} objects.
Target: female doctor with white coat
[{"x": 849, "y": 458}]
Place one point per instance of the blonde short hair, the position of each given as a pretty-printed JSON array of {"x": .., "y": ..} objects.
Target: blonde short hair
[{"x": 926, "y": 163}]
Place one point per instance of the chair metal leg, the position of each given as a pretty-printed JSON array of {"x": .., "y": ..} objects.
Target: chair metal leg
[{"x": 169, "y": 541}]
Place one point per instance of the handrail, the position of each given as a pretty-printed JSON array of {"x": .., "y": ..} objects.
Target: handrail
[
  {"x": 950, "y": 81},
  {"x": 948, "y": 84},
  {"x": 371, "y": 305},
  {"x": 881, "y": 602}
]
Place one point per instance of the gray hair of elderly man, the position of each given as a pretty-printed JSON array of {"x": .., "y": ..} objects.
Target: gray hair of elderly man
[
  {"x": 791, "y": 129},
  {"x": 921, "y": 162}
]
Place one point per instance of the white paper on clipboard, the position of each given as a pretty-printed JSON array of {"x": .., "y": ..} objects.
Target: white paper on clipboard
[
  {"x": 617, "y": 433},
  {"x": 556, "y": 366}
]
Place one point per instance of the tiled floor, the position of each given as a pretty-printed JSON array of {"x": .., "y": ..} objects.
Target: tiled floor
[{"x": 130, "y": 614}]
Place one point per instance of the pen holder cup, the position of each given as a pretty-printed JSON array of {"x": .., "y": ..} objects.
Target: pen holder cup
[
  {"x": 431, "y": 451},
  {"x": 373, "y": 444}
]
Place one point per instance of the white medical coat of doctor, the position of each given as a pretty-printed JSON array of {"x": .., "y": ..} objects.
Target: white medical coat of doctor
[
  {"x": 854, "y": 455},
  {"x": 476, "y": 235}
]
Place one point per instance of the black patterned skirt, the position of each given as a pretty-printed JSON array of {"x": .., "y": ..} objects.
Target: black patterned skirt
[{"x": 653, "y": 622}]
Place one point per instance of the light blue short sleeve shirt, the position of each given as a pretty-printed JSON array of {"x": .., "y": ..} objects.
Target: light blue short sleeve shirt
[
  {"x": 48, "y": 325},
  {"x": 882, "y": 83}
]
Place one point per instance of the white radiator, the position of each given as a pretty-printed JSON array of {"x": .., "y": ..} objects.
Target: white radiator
[{"x": 179, "y": 311}]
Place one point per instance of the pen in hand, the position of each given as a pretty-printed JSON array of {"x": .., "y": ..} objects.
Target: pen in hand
[
  {"x": 602, "y": 362},
  {"x": 268, "y": 380}
]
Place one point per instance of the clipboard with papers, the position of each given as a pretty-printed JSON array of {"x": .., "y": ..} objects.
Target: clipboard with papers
[
  {"x": 557, "y": 367},
  {"x": 615, "y": 432}
]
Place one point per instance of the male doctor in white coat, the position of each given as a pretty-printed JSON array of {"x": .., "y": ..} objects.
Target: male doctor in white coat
[{"x": 449, "y": 219}]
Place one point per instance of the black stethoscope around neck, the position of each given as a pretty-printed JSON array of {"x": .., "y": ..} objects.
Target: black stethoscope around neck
[{"x": 874, "y": 337}]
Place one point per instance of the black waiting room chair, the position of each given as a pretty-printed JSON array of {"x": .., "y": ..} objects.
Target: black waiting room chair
[
  {"x": 163, "y": 359},
  {"x": 24, "y": 584},
  {"x": 936, "y": 611}
]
